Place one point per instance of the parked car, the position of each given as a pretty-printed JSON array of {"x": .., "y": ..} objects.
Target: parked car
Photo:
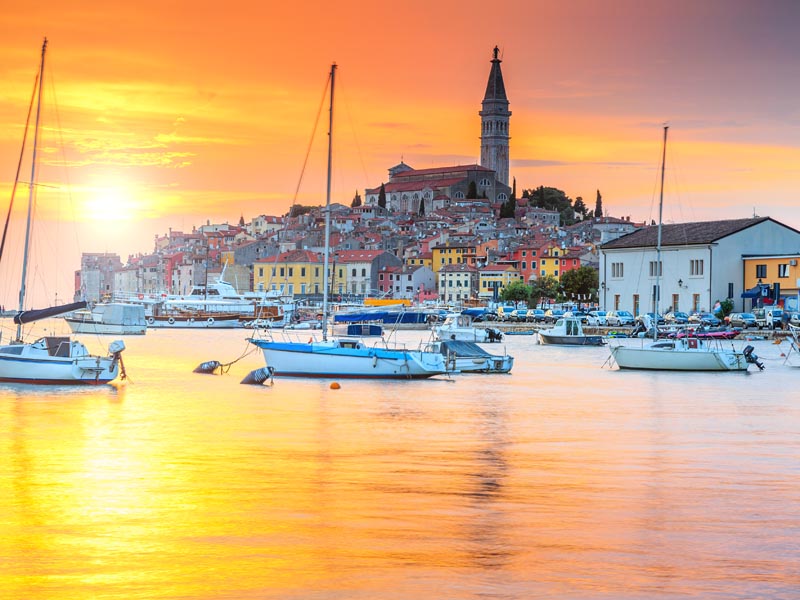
[
  {"x": 600, "y": 315},
  {"x": 617, "y": 318},
  {"x": 552, "y": 315},
  {"x": 584, "y": 317},
  {"x": 768, "y": 317},
  {"x": 657, "y": 319},
  {"x": 704, "y": 318},
  {"x": 519, "y": 315},
  {"x": 743, "y": 320},
  {"x": 676, "y": 318},
  {"x": 536, "y": 315}
]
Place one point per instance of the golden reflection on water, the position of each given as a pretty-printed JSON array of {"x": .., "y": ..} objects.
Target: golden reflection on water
[{"x": 560, "y": 480}]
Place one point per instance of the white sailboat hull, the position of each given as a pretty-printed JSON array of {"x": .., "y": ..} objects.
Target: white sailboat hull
[
  {"x": 34, "y": 363},
  {"x": 348, "y": 358},
  {"x": 678, "y": 358}
]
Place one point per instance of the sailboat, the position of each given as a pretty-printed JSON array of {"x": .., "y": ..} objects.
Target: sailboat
[
  {"x": 50, "y": 359},
  {"x": 685, "y": 353},
  {"x": 349, "y": 357}
]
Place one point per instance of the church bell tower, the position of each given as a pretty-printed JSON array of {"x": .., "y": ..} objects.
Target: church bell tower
[{"x": 494, "y": 123}]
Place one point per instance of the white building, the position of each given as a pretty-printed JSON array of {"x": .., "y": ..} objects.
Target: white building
[{"x": 701, "y": 263}]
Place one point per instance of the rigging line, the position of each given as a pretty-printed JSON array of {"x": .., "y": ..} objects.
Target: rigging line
[
  {"x": 19, "y": 165},
  {"x": 353, "y": 129},
  {"x": 311, "y": 141}
]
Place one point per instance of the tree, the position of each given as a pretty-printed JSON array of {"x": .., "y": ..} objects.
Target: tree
[
  {"x": 514, "y": 189},
  {"x": 508, "y": 208},
  {"x": 580, "y": 283},
  {"x": 472, "y": 190},
  {"x": 550, "y": 198},
  {"x": 422, "y": 208},
  {"x": 580, "y": 207},
  {"x": 382, "y": 197},
  {"x": 544, "y": 287},
  {"x": 516, "y": 291},
  {"x": 598, "y": 206},
  {"x": 725, "y": 308},
  {"x": 356, "y": 200}
]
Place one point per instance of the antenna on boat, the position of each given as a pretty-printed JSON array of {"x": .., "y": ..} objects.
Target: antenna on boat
[{"x": 328, "y": 214}]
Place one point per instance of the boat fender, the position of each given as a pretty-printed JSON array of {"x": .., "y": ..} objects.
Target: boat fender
[
  {"x": 259, "y": 376},
  {"x": 374, "y": 361},
  {"x": 210, "y": 320},
  {"x": 208, "y": 367},
  {"x": 171, "y": 321},
  {"x": 150, "y": 320},
  {"x": 191, "y": 319}
]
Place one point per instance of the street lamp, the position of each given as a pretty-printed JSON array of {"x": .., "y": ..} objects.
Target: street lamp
[{"x": 680, "y": 283}]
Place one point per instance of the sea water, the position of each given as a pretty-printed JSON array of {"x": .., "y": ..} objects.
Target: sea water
[{"x": 563, "y": 479}]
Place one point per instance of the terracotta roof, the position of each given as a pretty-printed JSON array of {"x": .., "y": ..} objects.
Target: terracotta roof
[
  {"x": 415, "y": 186},
  {"x": 295, "y": 256},
  {"x": 683, "y": 234},
  {"x": 348, "y": 256},
  {"x": 437, "y": 170}
]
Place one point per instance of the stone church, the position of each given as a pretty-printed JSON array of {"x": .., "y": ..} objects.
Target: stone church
[{"x": 418, "y": 191}]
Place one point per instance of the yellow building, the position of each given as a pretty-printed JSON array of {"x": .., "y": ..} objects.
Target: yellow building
[
  {"x": 493, "y": 278},
  {"x": 296, "y": 272},
  {"x": 781, "y": 269}
]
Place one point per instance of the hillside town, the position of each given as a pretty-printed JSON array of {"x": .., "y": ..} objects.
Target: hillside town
[{"x": 459, "y": 235}]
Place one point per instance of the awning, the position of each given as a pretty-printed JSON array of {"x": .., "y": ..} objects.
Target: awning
[{"x": 752, "y": 292}]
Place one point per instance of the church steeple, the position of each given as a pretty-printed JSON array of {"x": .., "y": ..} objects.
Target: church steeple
[{"x": 495, "y": 118}]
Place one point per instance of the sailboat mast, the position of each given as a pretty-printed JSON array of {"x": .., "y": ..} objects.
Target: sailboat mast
[
  {"x": 657, "y": 290},
  {"x": 328, "y": 214},
  {"x": 31, "y": 191}
]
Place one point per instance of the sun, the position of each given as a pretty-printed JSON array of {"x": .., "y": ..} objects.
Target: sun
[{"x": 110, "y": 203}]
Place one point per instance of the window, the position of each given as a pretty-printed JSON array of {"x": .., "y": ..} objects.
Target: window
[
  {"x": 696, "y": 267},
  {"x": 302, "y": 272},
  {"x": 616, "y": 301},
  {"x": 260, "y": 271},
  {"x": 675, "y": 300},
  {"x": 354, "y": 272},
  {"x": 458, "y": 195},
  {"x": 730, "y": 290},
  {"x": 655, "y": 268},
  {"x": 291, "y": 271},
  {"x": 695, "y": 302},
  {"x": 524, "y": 265},
  {"x": 761, "y": 271},
  {"x": 363, "y": 272},
  {"x": 783, "y": 270},
  {"x": 282, "y": 272},
  {"x": 502, "y": 197},
  {"x": 636, "y": 304},
  {"x": 617, "y": 270}
]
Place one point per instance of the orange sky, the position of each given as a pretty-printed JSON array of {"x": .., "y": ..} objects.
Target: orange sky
[{"x": 171, "y": 113}]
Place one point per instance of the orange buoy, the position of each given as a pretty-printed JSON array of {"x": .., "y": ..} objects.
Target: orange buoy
[{"x": 335, "y": 386}]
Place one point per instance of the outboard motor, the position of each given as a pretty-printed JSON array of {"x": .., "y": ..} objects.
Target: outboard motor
[{"x": 752, "y": 358}]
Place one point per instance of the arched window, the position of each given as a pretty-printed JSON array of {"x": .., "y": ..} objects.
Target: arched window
[
  {"x": 502, "y": 197},
  {"x": 458, "y": 195},
  {"x": 485, "y": 182}
]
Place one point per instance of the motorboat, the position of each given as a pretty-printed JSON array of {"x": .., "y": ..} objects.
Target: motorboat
[
  {"x": 469, "y": 357},
  {"x": 568, "y": 331},
  {"x": 461, "y": 327},
  {"x": 111, "y": 318}
]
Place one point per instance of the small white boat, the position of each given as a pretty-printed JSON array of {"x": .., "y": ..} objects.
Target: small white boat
[
  {"x": 683, "y": 354},
  {"x": 468, "y": 357},
  {"x": 462, "y": 328},
  {"x": 112, "y": 318},
  {"x": 568, "y": 331}
]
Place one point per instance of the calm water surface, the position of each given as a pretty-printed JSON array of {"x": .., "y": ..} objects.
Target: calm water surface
[{"x": 561, "y": 480}]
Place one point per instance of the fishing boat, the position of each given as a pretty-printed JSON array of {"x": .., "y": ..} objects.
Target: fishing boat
[
  {"x": 688, "y": 353},
  {"x": 191, "y": 319},
  {"x": 469, "y": 357},
  {"x": 108, "y": 318},
  {"x": 348, "y": 357},
  {"x": 461, "y": 327},
  {"x": 568, "y": 331},
  {"x": 49, "y": 359}
]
